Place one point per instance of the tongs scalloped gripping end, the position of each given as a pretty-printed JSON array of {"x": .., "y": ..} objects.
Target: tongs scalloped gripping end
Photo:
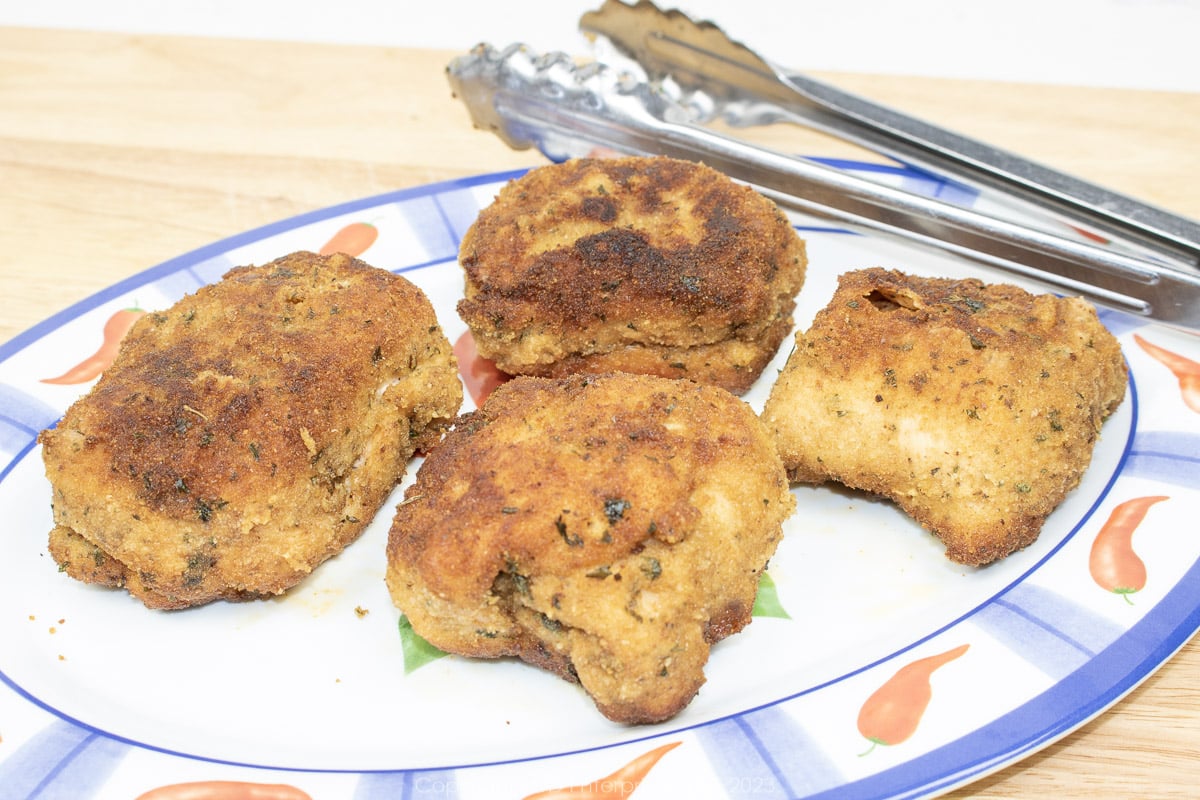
[
  {"x": 547, "y": 101},
  {"x": 658, "y": 40},
  {"x": 475, "y": 79}
]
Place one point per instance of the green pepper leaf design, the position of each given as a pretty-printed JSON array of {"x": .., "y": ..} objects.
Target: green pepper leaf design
[
  {"x": 417, "y": 651},
  {"x": 766, "y": 602}
]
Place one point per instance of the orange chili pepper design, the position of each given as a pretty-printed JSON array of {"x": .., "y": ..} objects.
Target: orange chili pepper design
[
  {"x": 225, "y": 790},
  {"x": 892, "y": 713},
  {"x": 353, "y": 239},
  {"x": 1113, "y": 563},
  {"x": 1186, "y": 371},
  {"x": 617, "y": 785},
  {"x": 114, "y": 331},
  {"x": 479, "y": 375}
]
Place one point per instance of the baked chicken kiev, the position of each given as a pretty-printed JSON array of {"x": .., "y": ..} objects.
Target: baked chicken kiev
[
  {"x": 974, "y": 407},
  {"x": 606, "y": 528},
  {"x": 649, "y": 265},
  {"x": 249, "y": 432}
]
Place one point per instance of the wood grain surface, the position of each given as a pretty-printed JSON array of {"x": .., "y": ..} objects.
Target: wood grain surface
[{"x": 118, "y": 152}]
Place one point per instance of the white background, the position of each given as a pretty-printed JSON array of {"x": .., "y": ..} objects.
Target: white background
[{"x": 1149, "y": 44}]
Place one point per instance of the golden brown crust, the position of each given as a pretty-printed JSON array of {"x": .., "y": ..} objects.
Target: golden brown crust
[
  {"x": 83, "y": 560},
  {"x": 974, "y": 407},
  {"x": 607, "y": 528},
  {"x": 252, "y": 430},
  {"x": 650, "y": 265}
]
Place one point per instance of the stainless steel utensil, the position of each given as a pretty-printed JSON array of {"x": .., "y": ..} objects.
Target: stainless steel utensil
[
  {"x": 699, "y": 56},
  {"x": 553, "y": 103}
]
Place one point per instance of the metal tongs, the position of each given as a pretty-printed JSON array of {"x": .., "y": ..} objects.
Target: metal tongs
[{"x": 692, "y": 73}]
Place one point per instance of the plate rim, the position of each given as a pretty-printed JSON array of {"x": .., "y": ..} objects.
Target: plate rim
[{"x": 1141, "y": 669}]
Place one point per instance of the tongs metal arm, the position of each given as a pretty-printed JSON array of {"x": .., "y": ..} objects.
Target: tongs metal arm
[
  {"x": 532, "y": 100},
  {"x": 942, "y": 151},
  {"x": 700, "y": 57}
]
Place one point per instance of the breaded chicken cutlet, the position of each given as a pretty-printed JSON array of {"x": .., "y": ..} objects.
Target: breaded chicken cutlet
[
  {"x": 973, "y": 407},
  {"x": 249, "y": 432},
  {"x": 647, "y": 265},
  {"x": 606, "y": 528}
]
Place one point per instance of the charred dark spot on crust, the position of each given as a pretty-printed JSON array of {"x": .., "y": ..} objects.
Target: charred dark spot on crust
[
  {"x": 601, "y": 209},
  {"x": 620, "y": 251},
  {"x": 721, "y": 222}
]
